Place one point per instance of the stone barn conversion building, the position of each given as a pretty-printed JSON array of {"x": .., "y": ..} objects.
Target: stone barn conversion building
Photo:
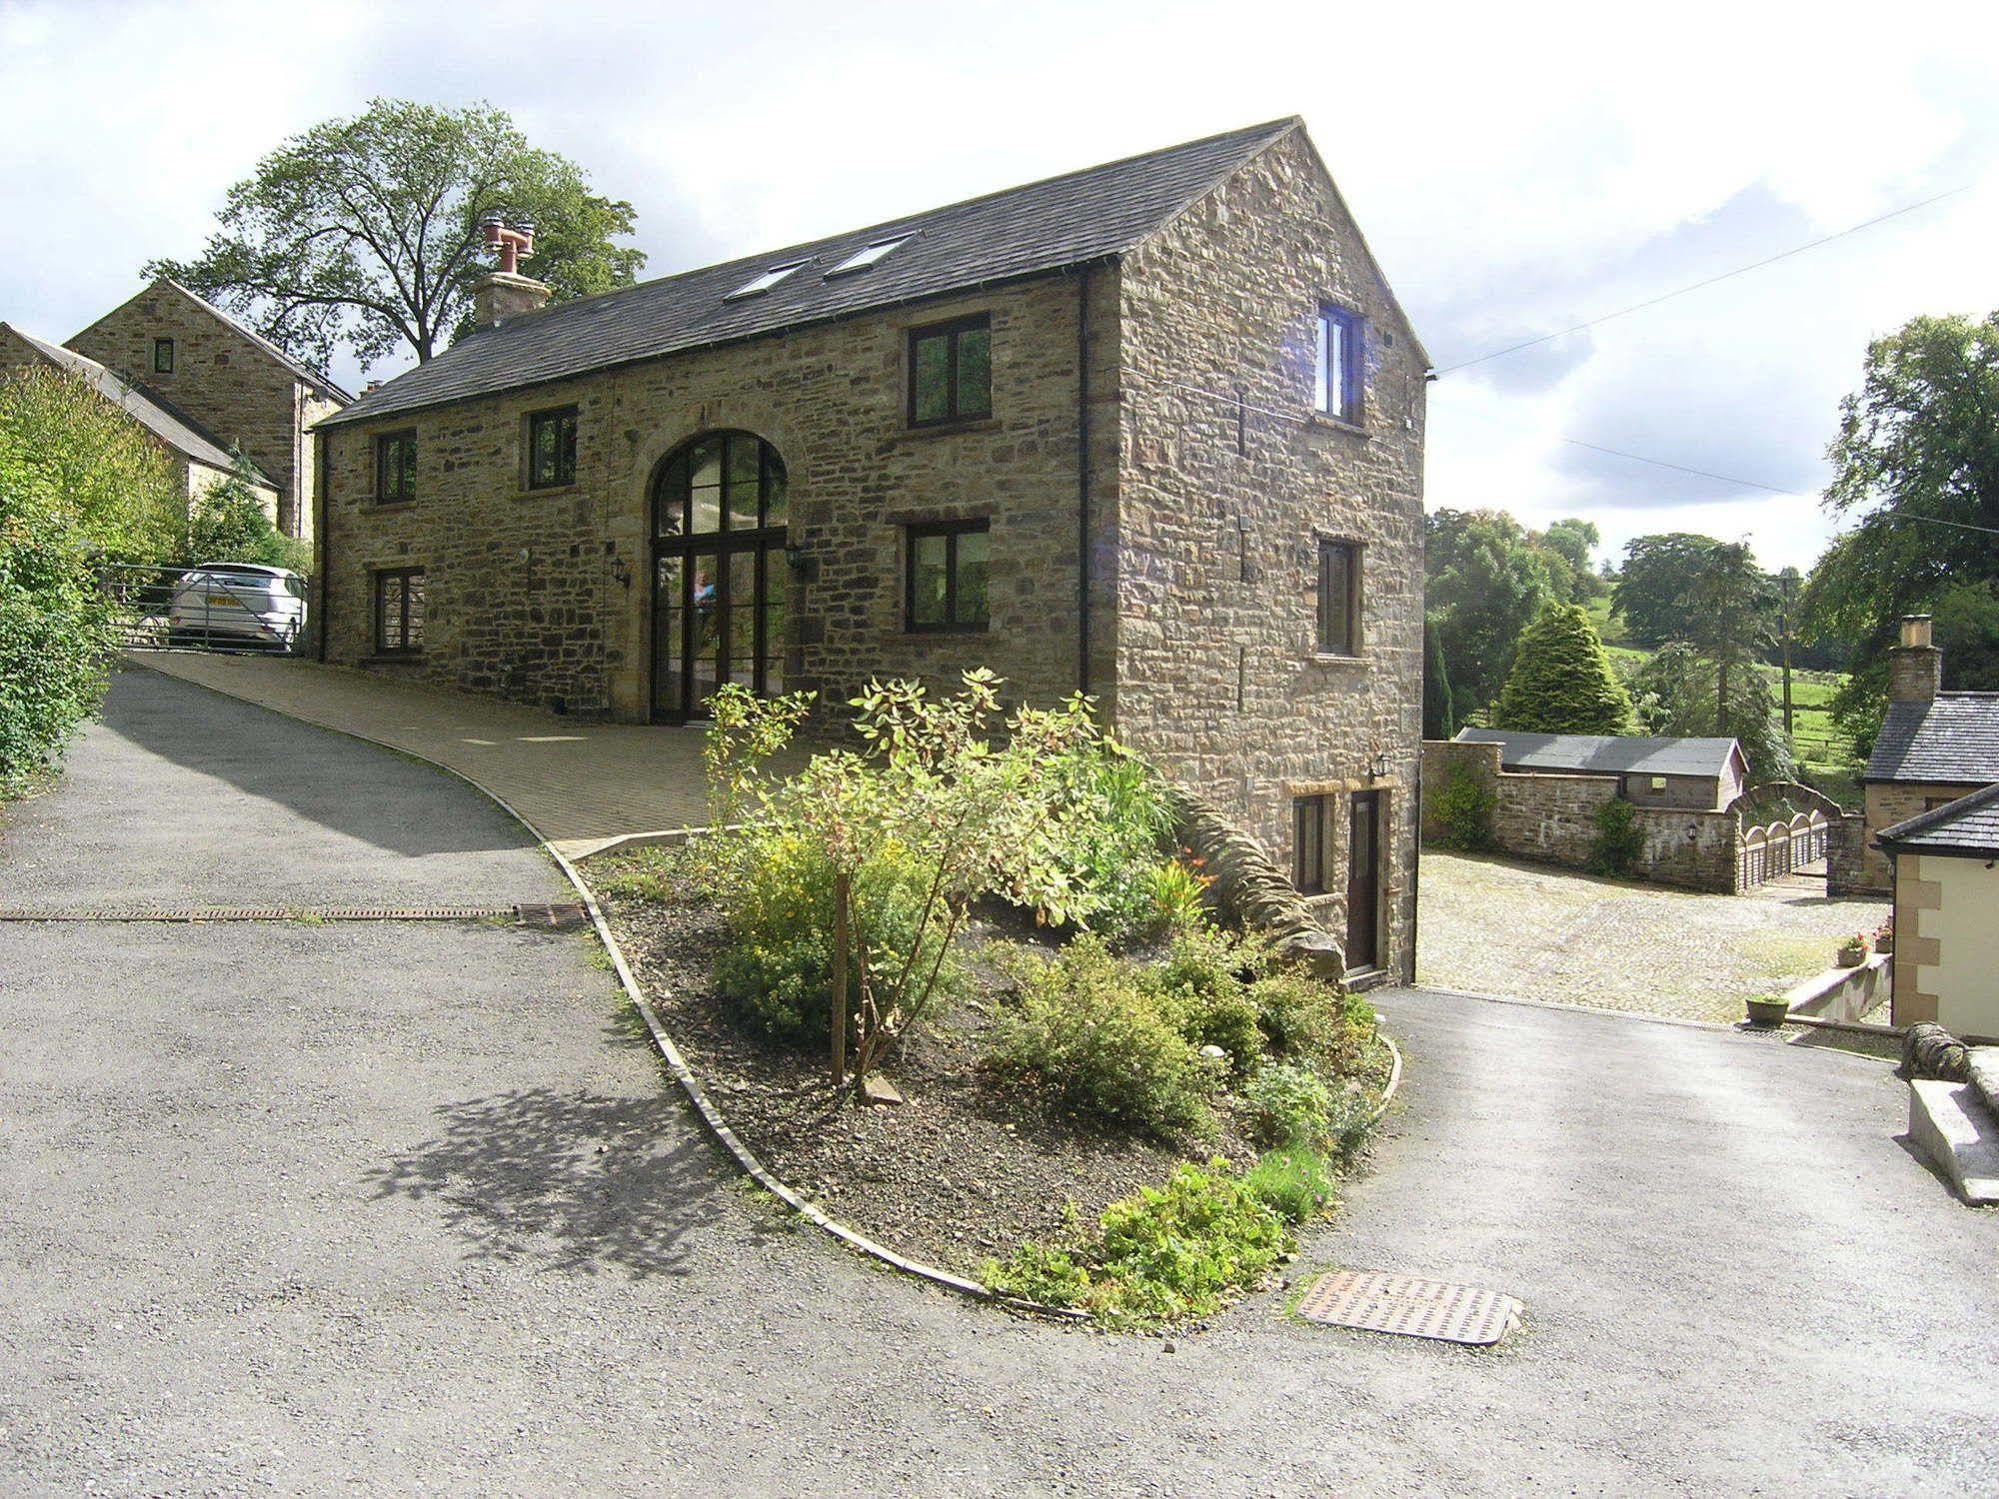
[
  {"x": 1152, "y": 431},
  {"x": 1705, "y": 774}
]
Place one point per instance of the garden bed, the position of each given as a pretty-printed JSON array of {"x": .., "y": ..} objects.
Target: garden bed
[{"x": 960, "y": 986}]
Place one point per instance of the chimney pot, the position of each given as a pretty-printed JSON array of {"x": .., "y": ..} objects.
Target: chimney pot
[{"x": 1915, "y": 630}]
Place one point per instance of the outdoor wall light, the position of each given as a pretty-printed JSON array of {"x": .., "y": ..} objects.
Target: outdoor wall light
[
  {"x": 622, "y": 571},
  {"x": 1693, "y": 832},
  {"x": 1380, "y": 766}
]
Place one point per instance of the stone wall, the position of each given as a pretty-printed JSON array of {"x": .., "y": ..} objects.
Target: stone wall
[
  {"x": 1551, "y": 818},
  {"x": 223, "y": 378},
  {"x": 1886, "y": 803},
  {"x": 544, "y": 596},
  {"x": 1220, "y": 510}
]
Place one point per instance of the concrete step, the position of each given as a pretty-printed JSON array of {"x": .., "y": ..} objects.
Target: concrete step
[
  {"x": 1984, "y": 1062},
  {"x": 1952, "y": 1124}
]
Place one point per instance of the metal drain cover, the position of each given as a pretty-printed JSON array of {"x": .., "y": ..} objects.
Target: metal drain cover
[{"x": 1378, "y": 1302}]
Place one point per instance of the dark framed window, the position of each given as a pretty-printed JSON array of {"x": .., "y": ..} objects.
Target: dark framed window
[
  {"x": 1308, "y": 842},
  {"x": 552, "y": 448},
  {"x": 1336, "y": 374},
  {"x": 945, "y": 576},
  {"x": 1339, "y": 598},
  {"x": 951, "y": 372},
  {"x": 399, "y": 611},
  {"x": 395, "y": 467},
  {"x": 163, "y": 356}
]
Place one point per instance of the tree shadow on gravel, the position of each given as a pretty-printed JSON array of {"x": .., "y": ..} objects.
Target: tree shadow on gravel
[{"x": 582, "y": 1181}]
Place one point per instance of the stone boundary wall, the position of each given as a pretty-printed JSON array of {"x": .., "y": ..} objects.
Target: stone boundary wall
[
  {"x": 1550, "y": 818},
  {"x": 1250, "y": 890},
  {"x": 1843, "y": 994}
]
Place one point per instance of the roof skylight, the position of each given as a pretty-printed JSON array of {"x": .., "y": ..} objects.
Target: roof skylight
[
  {"x": 862, "y": 260},
  {"x": 756, "y": 286}
]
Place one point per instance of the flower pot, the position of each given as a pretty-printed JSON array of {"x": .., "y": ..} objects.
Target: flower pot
[
  {"x": 1885, "y": 943},
  {"x": 1767, "y": 1012},
  {"x": 1852, "y": 957}
]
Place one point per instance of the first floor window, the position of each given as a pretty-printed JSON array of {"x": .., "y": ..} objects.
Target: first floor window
[
  {"x": 163, "y": 356},
  {"x": 945, "y": 588},
  {"x": 951, "y": 372},
  {"x": 1336, "y": 388},
  {"x": 1308, "y": 872},
  {"x": 395, "y": 467},
  {"x": 552, "y": 448},
  {"x": 1339, "y": 598},
  {"x": 399, "y": 611}
]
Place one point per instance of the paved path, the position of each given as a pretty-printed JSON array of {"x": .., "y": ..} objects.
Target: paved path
[
  {"x": 582, "y": 784},
  {"x": 407, "y": 1208},
  {"x": 1493, "y": 926}
]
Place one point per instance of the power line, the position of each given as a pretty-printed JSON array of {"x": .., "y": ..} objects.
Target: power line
[{"x": 1698, "y": 285}]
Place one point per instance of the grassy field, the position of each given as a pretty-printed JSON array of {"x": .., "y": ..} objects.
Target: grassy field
[{"x": 1822, "y": 751}]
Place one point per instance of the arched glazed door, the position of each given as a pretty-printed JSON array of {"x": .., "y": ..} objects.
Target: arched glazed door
[{"x": 719, "y": 583}]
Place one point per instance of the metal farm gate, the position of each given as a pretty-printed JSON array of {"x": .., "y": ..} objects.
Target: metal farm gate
[{"x": 224, "y": 606}]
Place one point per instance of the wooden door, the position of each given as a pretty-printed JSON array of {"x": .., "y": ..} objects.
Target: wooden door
[{"x": 1364, "y": 881}]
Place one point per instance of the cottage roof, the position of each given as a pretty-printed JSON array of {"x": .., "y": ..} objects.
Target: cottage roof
[
  {"x": 1968, "y": 826},
  {"x": 1607, "y": 754},
  {"x": 1024, "y": 231},
  {"x": 171, "y": 426},
  {"x": 1952, "y": 738}
]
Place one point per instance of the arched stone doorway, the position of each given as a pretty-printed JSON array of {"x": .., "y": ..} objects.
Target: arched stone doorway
[{"x": 720, "y": 588}]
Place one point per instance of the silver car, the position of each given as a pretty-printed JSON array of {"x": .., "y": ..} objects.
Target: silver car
[{"x": 237, "y": 604}]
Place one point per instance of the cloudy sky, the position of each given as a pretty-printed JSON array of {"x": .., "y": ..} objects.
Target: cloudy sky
[{"x": 1518, "y": 169}]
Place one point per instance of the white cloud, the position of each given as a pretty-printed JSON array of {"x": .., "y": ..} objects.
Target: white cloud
[{"x": 1516, "y": 168}]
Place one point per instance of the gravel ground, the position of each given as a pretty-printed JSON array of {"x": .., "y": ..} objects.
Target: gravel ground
[
  {"x": 400, "y": 1209},
  {"x": 1494, "y": 927}
]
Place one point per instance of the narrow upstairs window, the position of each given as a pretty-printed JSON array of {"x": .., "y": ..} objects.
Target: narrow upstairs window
[
  {"x": 1339, "y": 598},
  {"x": 163, "y": 356},
  {"x": 1336, "y": 378}
]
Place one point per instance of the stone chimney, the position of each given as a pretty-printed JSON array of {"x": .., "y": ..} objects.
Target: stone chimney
[
  {"x": 503, "y": 292},
  {"x": 1915, "y": 667}
]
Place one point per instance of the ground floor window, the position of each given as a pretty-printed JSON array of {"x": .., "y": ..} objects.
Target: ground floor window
[
  {"x": 945, "y": 583},
  {"x": 399, "y": 611},
  {"x": 1308, "y": 870}
]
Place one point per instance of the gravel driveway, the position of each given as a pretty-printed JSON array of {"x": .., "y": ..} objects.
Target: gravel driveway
[
  {"x": 398, "y": 1208},
  {"x": 1491, "y": 926}
]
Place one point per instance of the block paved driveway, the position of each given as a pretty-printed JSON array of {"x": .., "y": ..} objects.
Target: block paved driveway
[{"x": 398, "y": 1208}]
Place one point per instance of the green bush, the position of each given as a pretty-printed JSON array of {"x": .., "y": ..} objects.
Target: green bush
[
  {"x": 1315, "y": 1022},
  {"x": 1294, "y": 1181},
  {"x": 1164, "y": 1253},
  {"x": 1175, "y": 897},
  {"x": 81, "y": 484},
  {"x": 1463, "y": 811},
  {"x": 228, "y": 523},
  {"x": 1349, "y": 1121},
  {"x": 1112, "y": 854},
  {"x": 775, "y": 887},
  {"x": 1086, "y": 1028},
  {"x": 1288, "y": 1105},
  {"x": 1619, "y": 840},
  {"x": 1562, "y": 681},
  {"x": 1203, "y": 983}
]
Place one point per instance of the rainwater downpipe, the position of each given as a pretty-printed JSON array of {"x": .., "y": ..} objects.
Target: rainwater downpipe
[{"x": 1083, "y": 480}]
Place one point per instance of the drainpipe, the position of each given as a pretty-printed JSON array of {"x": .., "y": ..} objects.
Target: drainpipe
[
  {"x": 1083, "y": 480},
  {"x": 322, "y": 543}
]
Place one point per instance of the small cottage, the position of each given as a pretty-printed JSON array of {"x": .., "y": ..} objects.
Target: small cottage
[
  {"x": 1945, "y": 877},
  {"x": 1699, "y": 774}
]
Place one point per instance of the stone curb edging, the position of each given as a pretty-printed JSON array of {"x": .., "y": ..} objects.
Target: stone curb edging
[{"x": 691, "y": 1085}]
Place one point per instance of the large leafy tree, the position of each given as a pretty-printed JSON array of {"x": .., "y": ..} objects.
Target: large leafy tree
[
  {"x": 1486, "y": 580},
  {"x": 1678, "y": 692},
  {"x": 1562, "y": 682},
  {"x": 1574, "y": 539},
  {"x": 364, "y": 232},
  {"x": 1653, "y": 585},
  {"x": 1916, "y": 467}
]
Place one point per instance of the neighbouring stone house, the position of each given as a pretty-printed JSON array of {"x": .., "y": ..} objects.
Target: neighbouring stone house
[
  {"x": 1946, "y": 891},
  {"x": 1152, "y": 431},
  {"x": 1703, "y": 774},
  {"x": 188, "y": 354},
  {"x": 198, "y": 458},
  {"x": 1933, "y": 748}
]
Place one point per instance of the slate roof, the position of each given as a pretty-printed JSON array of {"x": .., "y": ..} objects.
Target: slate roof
[
  {"x": 1045, "y": 226},
  {"x": 1969, "y": 826},
  {"x": 1606, "y": 754},
  {"x": 175, "y": 428},
  {"x": 1954, "y": 738}
]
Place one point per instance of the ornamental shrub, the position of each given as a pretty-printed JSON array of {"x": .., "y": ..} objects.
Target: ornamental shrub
[
  {"x": 1562, "y": 681},
  {"x": 1315, "y": 1023},
  {"x": 1161, "y": 1254},
  {"x": 1293, "y": 1181},
  {"x": 775, "y": 887},
  {"x": 1087, "y": 1029},
  {"x": 1463, "y": 810},
  {"x": 1619, "y": 840},
  {"x": 1288, "y": 1105},
  {"x": 1111, "y": 851}
]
